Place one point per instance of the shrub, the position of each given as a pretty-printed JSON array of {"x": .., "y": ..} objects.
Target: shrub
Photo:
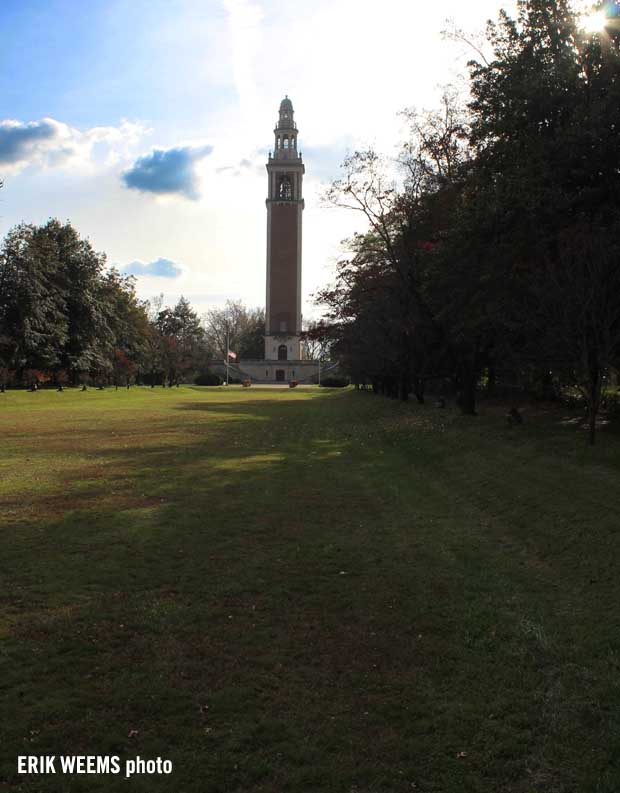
[
  {"x": 208, "y": 378},
  {"x": 334, "y": 381},
  {"x": 293, "y": 384},
  {"x": 574, "y": 399},
  {"x": 38, "y": 376},
  {"x": 611, "y": 403},
  {"x": 247, "y": 383}
]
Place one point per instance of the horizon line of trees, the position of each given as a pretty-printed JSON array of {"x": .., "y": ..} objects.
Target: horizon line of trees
[
  {"x": 495, "y": 260},
  {"x": 67, "y": 319}
]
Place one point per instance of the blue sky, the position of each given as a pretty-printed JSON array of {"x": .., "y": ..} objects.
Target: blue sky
[
  {"x": 147, "y": 122},
  {"x": 102, "y": 59}
]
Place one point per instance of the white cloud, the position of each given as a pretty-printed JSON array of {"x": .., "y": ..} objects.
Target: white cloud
[
  {"x": 49, "y": 143},
  {"x": 245, "y": 18},
  {"x": 159, "y": 268}
]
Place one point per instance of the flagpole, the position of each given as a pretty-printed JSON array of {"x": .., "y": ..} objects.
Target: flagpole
[{"x": 227, "y": 353}]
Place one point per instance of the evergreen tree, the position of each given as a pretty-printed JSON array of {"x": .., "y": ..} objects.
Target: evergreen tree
[
  {"x": 182, "y": 337},
  {"x": 34, "y": 326}
]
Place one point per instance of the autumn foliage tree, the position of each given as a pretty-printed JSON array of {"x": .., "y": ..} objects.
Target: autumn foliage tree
[
  {"x": 497, "y": 252},
  {"x": 182, "y": 341}
]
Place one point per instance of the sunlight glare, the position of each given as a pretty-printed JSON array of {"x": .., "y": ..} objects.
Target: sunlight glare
[{"x": 594, "y": 22}]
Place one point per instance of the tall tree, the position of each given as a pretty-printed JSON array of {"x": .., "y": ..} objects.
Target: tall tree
[
  {"x": 244, "y": 327},
  {"x": 391, "y": 261},
  {"x": 128, "y": 320},
  {"x": 90, "y": 339},
  {"x": 183, "y": 341},
  {"x": 316, "y": 340},
  {"x": 546, "y": 133},
  {"x": 63, "y": 313},
  {"x": 34, "y": 326}
]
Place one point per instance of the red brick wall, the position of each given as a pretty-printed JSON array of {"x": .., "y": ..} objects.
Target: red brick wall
[{"x": 283, "y": 280}]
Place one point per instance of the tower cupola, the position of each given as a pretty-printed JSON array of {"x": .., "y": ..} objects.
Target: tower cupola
[
  {"x": 286, "y": 114},
  {"x": 285, "y": 144}
]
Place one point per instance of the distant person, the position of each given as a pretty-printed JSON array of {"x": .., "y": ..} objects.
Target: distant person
[{"x": 514, "y": 417}]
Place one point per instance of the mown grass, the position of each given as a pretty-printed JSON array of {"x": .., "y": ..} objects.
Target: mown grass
[{"x": 305, "y": 591}]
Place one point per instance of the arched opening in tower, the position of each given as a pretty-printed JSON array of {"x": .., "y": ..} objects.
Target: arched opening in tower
[{"x": 284, "y": 191}]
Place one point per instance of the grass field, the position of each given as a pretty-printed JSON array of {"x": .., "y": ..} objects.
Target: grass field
[{"x": 307, "y": 591}]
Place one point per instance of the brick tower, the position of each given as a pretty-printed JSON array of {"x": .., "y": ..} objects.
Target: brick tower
[{"x": 285, "y": 205}]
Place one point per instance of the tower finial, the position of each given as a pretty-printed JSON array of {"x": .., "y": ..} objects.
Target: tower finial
[{"x": 286, "y": 114}]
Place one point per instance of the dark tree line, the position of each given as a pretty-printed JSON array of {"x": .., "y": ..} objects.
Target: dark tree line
[
  {"x": 497, "y": 258},
  {"x": 67, "y": 319}
]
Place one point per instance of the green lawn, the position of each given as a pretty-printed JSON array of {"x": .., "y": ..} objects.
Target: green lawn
[{"x": 307, "y": 591}]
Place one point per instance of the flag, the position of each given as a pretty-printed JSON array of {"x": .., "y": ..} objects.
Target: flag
[
  {"x": 232, "y": 355},
  {"x": 425, "y": 245}
]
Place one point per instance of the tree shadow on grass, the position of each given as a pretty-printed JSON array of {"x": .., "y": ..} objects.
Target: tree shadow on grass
[
  {"x": 256, "y": 596},
  {"x": 188, "y": 594}
]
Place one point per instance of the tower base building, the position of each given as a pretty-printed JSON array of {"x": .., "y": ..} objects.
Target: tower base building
[{"x": 263, "y": 371}]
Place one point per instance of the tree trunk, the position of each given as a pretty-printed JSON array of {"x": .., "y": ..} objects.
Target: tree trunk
[
  {"x": 466, "y": 395},
  {"x": 595, "y": 381},
  {"x": 592, "y": 424},
  {"x": 418, "y": 389},
  {"x": 403, "y": 388},
  {"x": 491, "y": 379}
]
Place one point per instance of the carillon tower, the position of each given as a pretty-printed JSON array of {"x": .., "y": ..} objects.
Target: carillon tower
[{"x": 285, "y": 205}]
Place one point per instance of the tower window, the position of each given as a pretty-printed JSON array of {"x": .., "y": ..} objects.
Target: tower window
[
  {"x": 284, "y": 189},
  {"x": 286, "y": 143},
  {"x": 282, "y": 355}
]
